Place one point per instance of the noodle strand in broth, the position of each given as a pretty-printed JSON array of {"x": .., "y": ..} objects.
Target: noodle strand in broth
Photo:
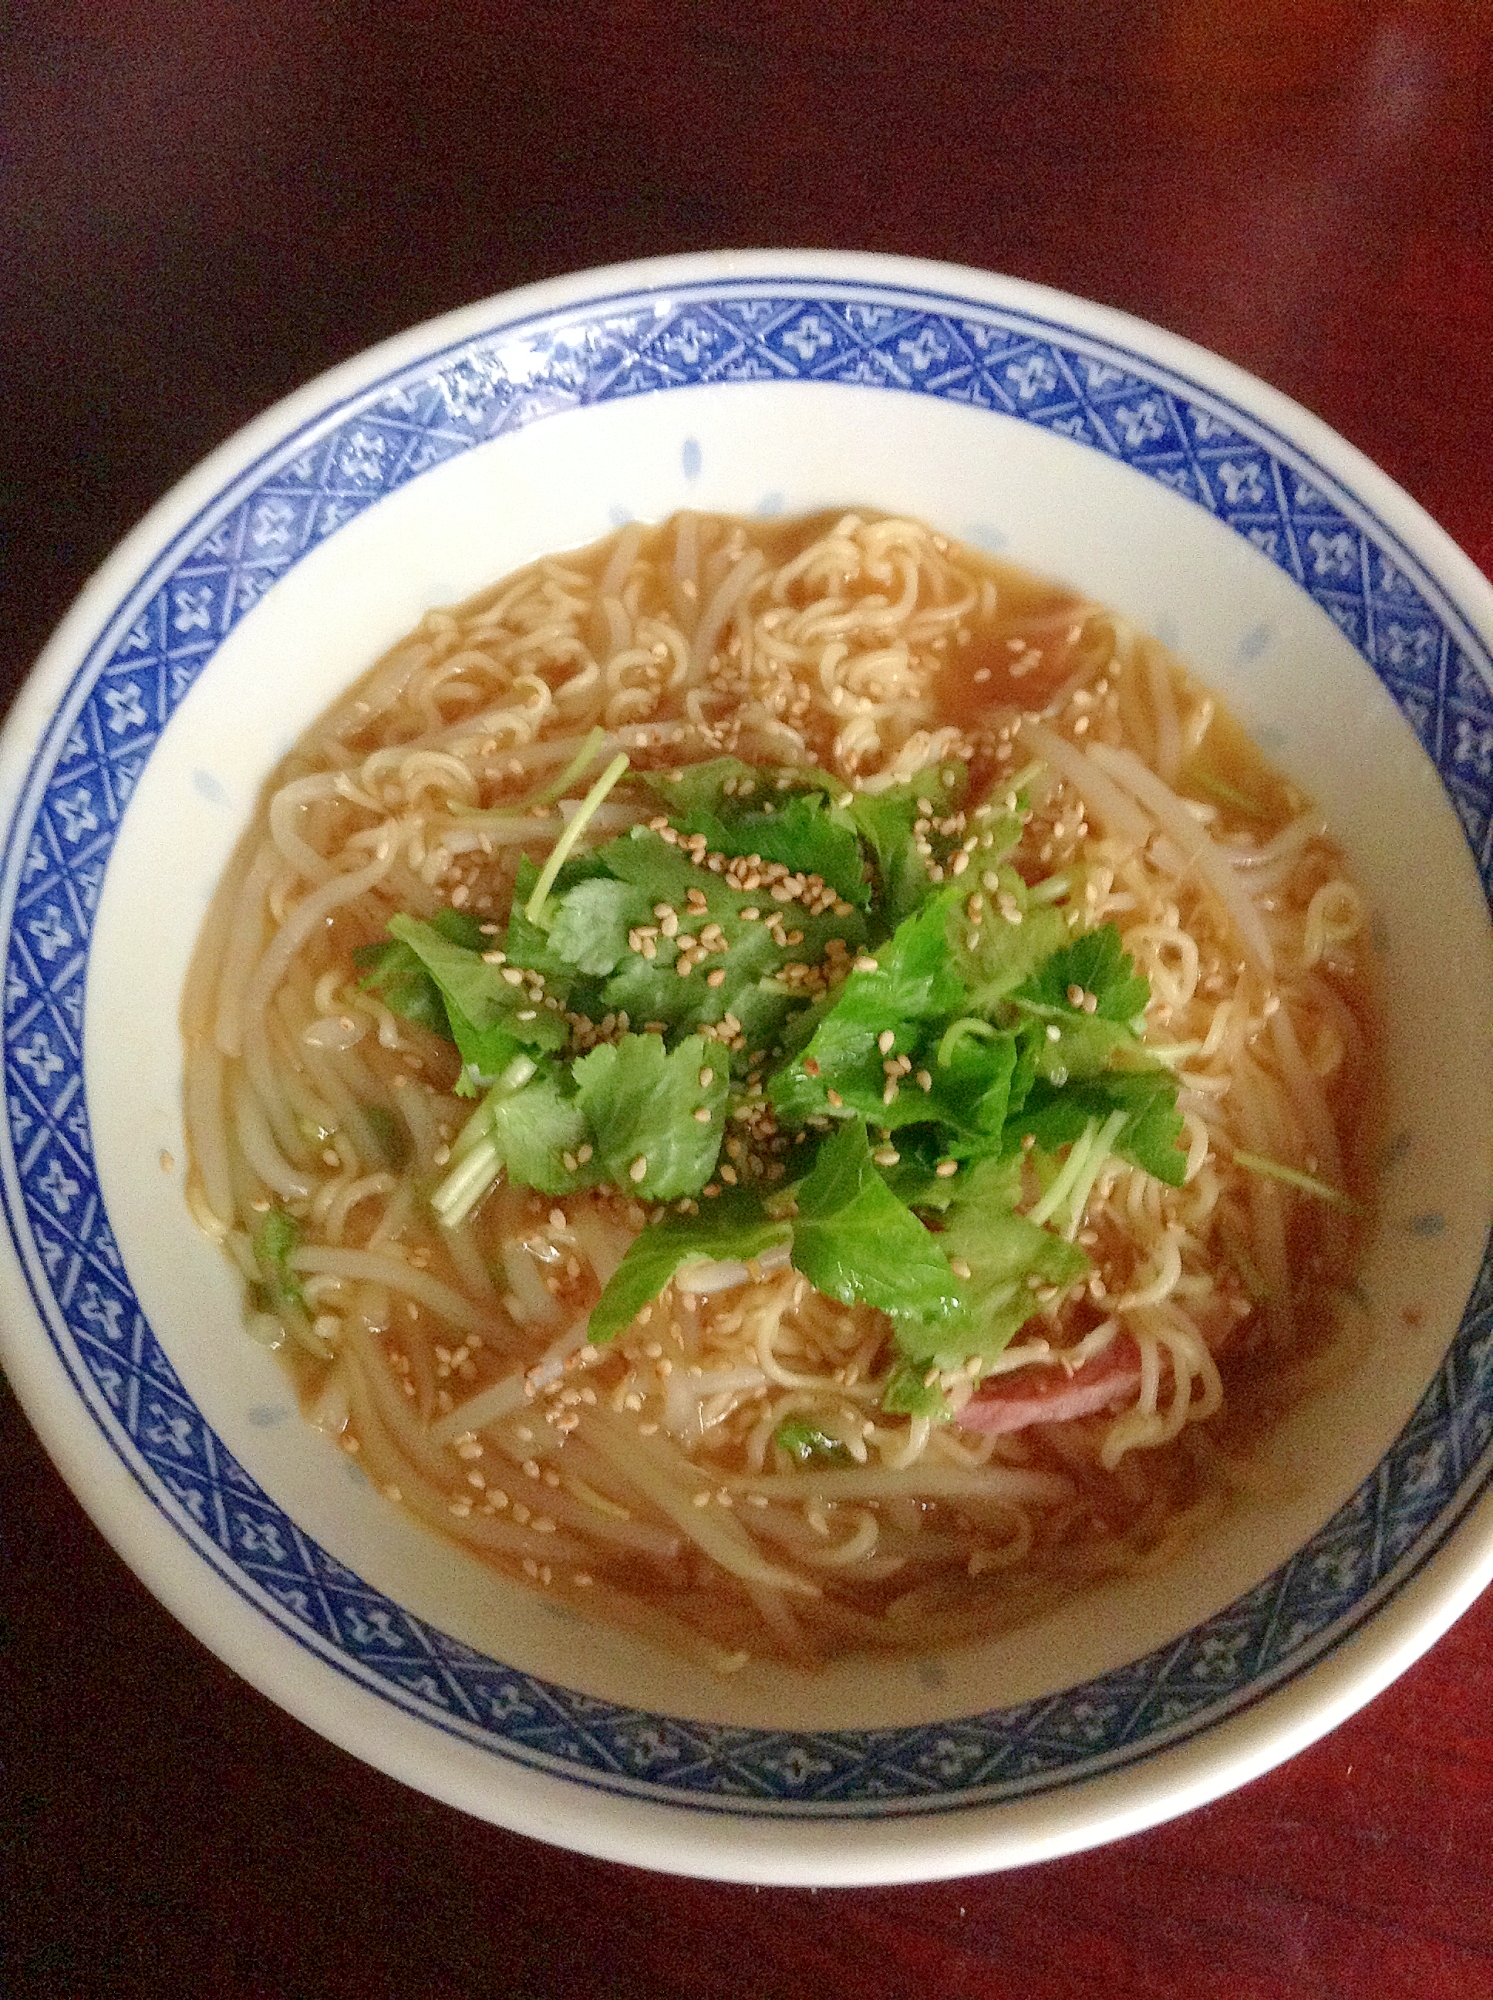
[{"x": 742, "y": 1471}]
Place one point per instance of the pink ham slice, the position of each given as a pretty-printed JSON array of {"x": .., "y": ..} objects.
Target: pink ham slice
[{"x": 1046, "y": 1394}]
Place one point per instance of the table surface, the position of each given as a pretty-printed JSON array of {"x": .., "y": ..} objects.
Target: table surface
[{"x": 204, "y": 206}]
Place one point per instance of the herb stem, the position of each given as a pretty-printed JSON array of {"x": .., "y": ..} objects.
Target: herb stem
[
  {"x": 1052, "y": 889},
  {"x": 583, "y": 759},
  {"x": 1068, "y": 1174},
  {"x": 561, "y": 851},
  {"x": 1257, "y": 1163}
]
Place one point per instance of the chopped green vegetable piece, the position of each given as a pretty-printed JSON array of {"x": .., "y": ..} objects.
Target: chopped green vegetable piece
[
  {"x": 583, "y": 759},
  {"x": 724, "y": 785},
  {"x": 734, "y": 1227},
  {"x": 1055, "y": 1115},
  {"x": 805, "y": 1442},
  {"x": 995, "y": 956},
  {"x": 477, "y": 991},
  {"x": 391, "y": 1133},
  {"x": 275, "y": 1240},
  {"x": 658, "y": 874},
  {"x": 802, "y": 834},
  {"x": 1152, "y": 1137},
  {"x": 532, "y": 1131},
  {"x": 908, "y": 1394}
]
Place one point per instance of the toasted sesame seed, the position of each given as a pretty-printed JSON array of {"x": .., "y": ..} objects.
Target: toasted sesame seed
[
  {"x": 702, "y": 1115},
  {"x": 707, "y": 1077},
  {"x": 638, "y": 1168},
  {"x": 866, "y": 964},
  {"x": 945, "y": 1168},
  {"x": 886, "y": 1041},
  {"x": 959, "y": 1267}
]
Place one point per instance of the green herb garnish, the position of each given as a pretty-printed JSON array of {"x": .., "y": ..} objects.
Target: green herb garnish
[
  {"x": 805, "y": 1442},
  {"x": 906, "y": 1051}
]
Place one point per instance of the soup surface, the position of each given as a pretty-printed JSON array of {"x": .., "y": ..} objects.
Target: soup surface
[{"x": 794, "y": 1087}]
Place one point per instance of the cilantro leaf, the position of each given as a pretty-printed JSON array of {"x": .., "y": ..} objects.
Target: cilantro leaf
[
  {"x": 996, "y": 955},
  {"x": 1152, "y": 1140},
  {"x": 1007, "y": 1255},
  {"x": 393, "y": 971},
  {"x": 724, "y": 785},
  {"x": 804, "y": 835},
  {"x": 641, "y": 1103},
  {"x": 534, "y": 1128},
  {"x": 1055, "y": 1115},
  {"x": 745, "y": 951},
  {"x": 911, "y": 984},
  {"x": 887, "y": 820},
  {"x": 1095, "y": 963},
  {"x": 477, "y": 996},
  {"x": 854, "y": 1240},
  {"x": 593, "y": 922},
  {"x": 734, "y": 1227}
]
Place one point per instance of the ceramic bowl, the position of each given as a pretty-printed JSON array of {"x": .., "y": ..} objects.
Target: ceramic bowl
[{"x": 1342, "y": 627}]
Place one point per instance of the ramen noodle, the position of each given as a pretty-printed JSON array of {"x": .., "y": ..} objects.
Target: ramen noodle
[{"x": 536, "y": 1085}]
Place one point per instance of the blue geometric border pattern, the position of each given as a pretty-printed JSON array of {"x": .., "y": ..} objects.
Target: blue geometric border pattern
[{"x": 346, "y": 461}]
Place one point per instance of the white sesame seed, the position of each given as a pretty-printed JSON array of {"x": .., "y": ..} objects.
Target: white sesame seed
[{"x": 639, "y": 1168}]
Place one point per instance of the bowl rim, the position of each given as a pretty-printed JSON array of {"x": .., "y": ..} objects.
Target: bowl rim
[{"x": 961, "y": 1837}]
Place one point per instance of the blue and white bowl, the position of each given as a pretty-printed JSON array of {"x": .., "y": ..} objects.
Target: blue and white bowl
[{"x": 1340, "y": 624}]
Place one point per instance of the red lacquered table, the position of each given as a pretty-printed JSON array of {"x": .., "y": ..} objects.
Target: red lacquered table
[{"x": 203, "y": 205}]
